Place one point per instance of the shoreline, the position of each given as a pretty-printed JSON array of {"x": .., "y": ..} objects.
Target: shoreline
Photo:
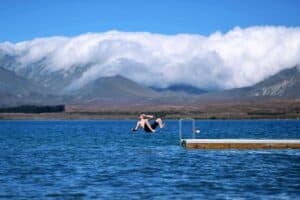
[
  {"x": 208, "y": 111},
  {"x": 70, "y": 116}
]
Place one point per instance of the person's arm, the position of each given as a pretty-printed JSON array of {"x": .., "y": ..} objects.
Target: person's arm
[
  {"x": 149, "y": 116},
  {"x": 149, "y": 126},
  {"x": 137, "y": 127}
]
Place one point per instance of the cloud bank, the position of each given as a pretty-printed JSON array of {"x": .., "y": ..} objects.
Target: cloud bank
[{"x": 238, "y": 58}]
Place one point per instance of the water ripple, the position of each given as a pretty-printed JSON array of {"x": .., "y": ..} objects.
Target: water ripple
[{"x": 104, "y": 160}]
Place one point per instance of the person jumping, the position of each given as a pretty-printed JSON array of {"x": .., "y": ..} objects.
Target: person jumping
[{"x": 145, "y": 124}]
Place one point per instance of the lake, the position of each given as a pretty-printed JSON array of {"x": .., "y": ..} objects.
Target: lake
[{"x": 104, "y": 160}]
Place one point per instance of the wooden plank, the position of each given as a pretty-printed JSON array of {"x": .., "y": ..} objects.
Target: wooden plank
[{"x": 239, "y": 144}]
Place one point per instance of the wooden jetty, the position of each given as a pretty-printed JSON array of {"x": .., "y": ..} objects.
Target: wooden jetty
[
  {"x": 233, "y": 143},
  {"x": 240, "y": 144}
]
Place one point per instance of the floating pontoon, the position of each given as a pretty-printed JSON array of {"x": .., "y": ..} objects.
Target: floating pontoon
[{"x": 234, "y": 143}]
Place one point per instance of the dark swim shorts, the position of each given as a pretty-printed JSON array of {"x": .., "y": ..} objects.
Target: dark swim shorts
[{"x": 153, "y": 126}]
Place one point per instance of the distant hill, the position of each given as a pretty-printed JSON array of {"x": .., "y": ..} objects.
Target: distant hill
[
  {"x": 55, "y": 81},
  {"x": 114, "y": 89},
  {"x": 34, "y": 83},
  {"x": 286, "y": 83},
  {"x": 15, "y": 90},
  {"x": 181, "y": 88},
  {"x": 10, "y": 83},
  {"x": 283, "y": 85}
]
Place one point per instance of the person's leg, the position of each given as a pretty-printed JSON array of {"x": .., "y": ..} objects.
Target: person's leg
[
  {"x": 160, "y": 122},
  {"x": 148, "y": 127}
]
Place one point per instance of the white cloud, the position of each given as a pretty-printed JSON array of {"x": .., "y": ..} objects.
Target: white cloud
[{"x": 240, "y": 57}]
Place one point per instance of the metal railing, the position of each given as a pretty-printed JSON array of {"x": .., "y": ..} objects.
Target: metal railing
[{"x": 194, "y": 130}]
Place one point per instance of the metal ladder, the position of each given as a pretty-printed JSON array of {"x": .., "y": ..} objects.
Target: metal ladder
[{"x": 194, "y": 129}]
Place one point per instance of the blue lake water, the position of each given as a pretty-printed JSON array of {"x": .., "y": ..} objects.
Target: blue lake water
[{"x": 104, "y": 160}]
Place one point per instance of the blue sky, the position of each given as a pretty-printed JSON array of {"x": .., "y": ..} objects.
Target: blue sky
[{"x": 27, "y": 19}]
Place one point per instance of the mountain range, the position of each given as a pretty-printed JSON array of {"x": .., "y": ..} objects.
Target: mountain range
[
  {"x": 35, "y": 85},
  {"x": 283, "y": 85}
]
